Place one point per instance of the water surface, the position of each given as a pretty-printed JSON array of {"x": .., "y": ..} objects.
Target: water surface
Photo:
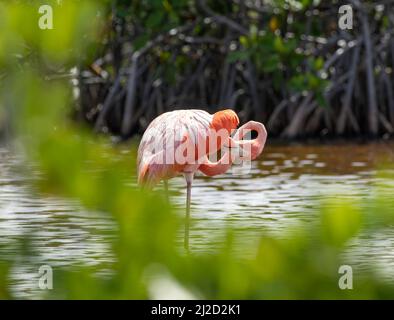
[{"x": 281, "y": 189}]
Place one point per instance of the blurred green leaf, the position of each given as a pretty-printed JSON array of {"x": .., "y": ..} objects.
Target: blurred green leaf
[{"x": 340, "y": 222}]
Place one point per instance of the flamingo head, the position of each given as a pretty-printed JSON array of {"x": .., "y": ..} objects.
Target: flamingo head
[{"x": 225, "y": 119}]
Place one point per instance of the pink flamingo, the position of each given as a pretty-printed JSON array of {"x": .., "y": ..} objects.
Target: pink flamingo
[{"x": 192, "y": 132}]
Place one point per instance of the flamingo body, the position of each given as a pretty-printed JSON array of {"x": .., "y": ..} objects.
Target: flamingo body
[{"x": 166, "y": 132}]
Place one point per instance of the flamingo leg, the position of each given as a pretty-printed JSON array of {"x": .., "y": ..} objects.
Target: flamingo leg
[{"x": 189, "y": 180}]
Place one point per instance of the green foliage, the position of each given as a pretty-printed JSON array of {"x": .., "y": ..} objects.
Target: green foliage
[
  {"x": 303, "y": 263},
  {"x": 341, "y": 223},
  {"x": 278, "y": 57},
  {"x": 267, "y": 45},
  {"x": 156, "y": 16}
]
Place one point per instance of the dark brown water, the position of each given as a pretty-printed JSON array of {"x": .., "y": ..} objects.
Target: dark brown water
[{"x": 279, "y": 190}]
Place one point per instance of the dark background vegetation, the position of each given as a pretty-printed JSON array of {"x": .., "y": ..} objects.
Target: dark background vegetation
[{"x": 286, "y": 63}]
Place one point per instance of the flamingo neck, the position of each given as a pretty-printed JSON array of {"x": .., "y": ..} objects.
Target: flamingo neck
[
  {"x": 210, "y": 168},
  {"x": 256, "y": 145},
  {"x": 253, "y": 148}
]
